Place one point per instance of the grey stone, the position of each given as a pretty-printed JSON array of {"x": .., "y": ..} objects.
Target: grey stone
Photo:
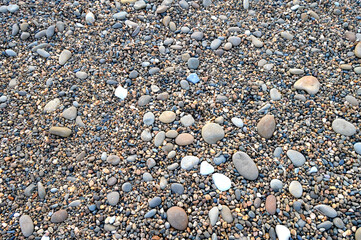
[
  {"x": 59, "y": 216},
  {"x": 245, "y": 165},
  {"x": 343, "y": 127},
  {"x": 113, "y": 159},
  {"x": 155, "y": 202},
  {"x": 26, "y": 225},
  {"x": 295, "y": 188},
  {"x": 177, "y": 188},
  {"x": 212, "y": 132},
  {"x": 296, "y": 157},
  {"x": 326, "y": 210},
  {"x": 193, "y": 63},
  {"x": 127, "y": 187},
  {"x": 226, "y": 214},
  {"x": 150, "y": 213},
  {"x": 113, "y": 198},
  {"x": 41, "y": 190},
  {"x": 147, "y": 177},
  {"x": 276, "y": 184},
  {"x": 213, "y": 215}
]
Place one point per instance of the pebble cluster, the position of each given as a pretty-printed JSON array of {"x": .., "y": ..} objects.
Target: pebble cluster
[{"x": 177, "y": 119}]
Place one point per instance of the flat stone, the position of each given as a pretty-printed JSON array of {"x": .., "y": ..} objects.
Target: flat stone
[
  {"x": 148, "y": 118},
  {"x": 41, "y": 190},
  {"x": 222, "y": 182},
  {"x": 29, "y": 189},
  {"x": 120, "y": 15},
  {"x": 171, "y": 134},
  {"x": 352, "y": 100},
  {"x": 70, "y": 113},
  {"x": 326, "y": 210},
  {"x": 150, "y": 213},
  {"x": 215, "y": 44},
  {"x": 226, "y": 214},
  {"x": 155, "y": 202},
  {"x": 295, "y": 188},
  {"x": 147, "y": 177},
  {"x": 146, "y": 135},
  {"x": 187, "y": 120},
  {"x": 177, "y": 218},
  {"x": 325, "y": 225},
  {"x": 139, "y": 5},
  {"x": 271, "y": 204},
  {"x": 358, "y": 234},
  {"x": 343, "y": 127},
  {"x": 197, "y": 36},
  {"x": 81, "y": 75},
  {"x": 237, "y": 122},
  {"x": 213, "y": 215},
  {"x": 189, "y": 162},
  {"x": 75, "y": 203},
  {"x": 286, "y": 35},
  {"x": 234, "y": 40},
  {"x": 113, "y": 159},
  {"x": 245, "y": 165},
  {"x": 26, "y": 225},
  {"x": 167, "y": 117},
  {"x": 266, "y": 126},
  {"x": 193, "y": 78},
  {"x": 127, "y": 187},
  {"x": 296, "y": 158},
  {"x": 193, "y": 63},
  {"x": 144, "y": 100},
  {"x": 59, "y": 216},
  {"x": 358, "y": 50},
  {"x": 276, "y": 184},
  {"x": 357, "y": 147},
  {"x": 206, "y": 168},
  {"x": 121, "y": 92},
  {"x": 309, "y": 84},
  {"x": 184, "y": 139},
  {"x": 256, "y": 42},
  {"x": 60, "y": 131},
  {"x": 296, "y": 71},
  {"x": 338, "y": 223},
  {"x": 177, "y": 188},
  {"x": 277, "y": 152},
  {"x": 52, "y": 105},
  {"x": 113, "y": 198},
  {"x": 64, "y": 57},
  {"x": 283, "y": 233},
  {"x": 275, "y": 94},
  {"x": 159, "y": 138},
  {"x": 212, "y": 132}
]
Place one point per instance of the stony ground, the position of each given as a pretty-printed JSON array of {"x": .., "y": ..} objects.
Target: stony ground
[{"x": 180, "y": 119}]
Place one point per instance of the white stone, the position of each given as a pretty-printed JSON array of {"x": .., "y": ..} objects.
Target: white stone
[
  {"x": 121, "y": 92},
  {"x": 206, "y": 168},
  {"x": 237, "y": 122},
  {"x": 89, "y": 17},
  {"x": 188, "y": 162},
  {"x": 222, "y": 182},
  {"x": 283, "y": 233}
]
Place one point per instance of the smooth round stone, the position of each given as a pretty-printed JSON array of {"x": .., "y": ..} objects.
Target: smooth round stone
[
  {"x": 193, "y": 63},
  {"x": 275, "y": 94},
  {"x": 26, "y": 225},
  {"x": 171, "y": 134},
  {"x": 59, "y": 216},
  {"x": 43, "y": 53},
  {"x": 52, "y": 105},
  {"x": 147, "y": 177},
  {"x": 286, "y": 35},
  {"x": 256, "y": 42},
  {"x": 219, "y": 160},
  {"x": 189, "y": 162},
  {"x": 278, "y": 151},
  {"x": 283, "y": 233},
  {"x": 215, "y": 44},
  {"x": 3, "y": 99},
  {"x": 187, "y": 120},
  {"x": 358, "y": 234},
  {"x": 139, "y": 5},
  {"x": 296, "y": 158},
  {"x": 112, "y": 181},
  {"x": 127, "y": 187},
  {"x": 296, "y": 71},
  {"x": 41, "y": 191},
  {"x": 237, "y": 122},
  {"x": 276, "y": 184},
  {"x": 60, "y": 131},
  {"x": 120, "y": 15},
  {"x": 81, "y": 75},
  {"x": 326, "y": 210},
  {"x": 213, "y": 215},
  {"x": 185, "y": 30},
  {"x": 212, "y": 132},
  {"x": 295, "y": 188},
  {"x": 197, "y": 36},
  {"x": 151, "y": 163},
  {"x": 222, "y": 182},
  {"x": 226, "y": 214},
  {"x": 184, "y": 84},
  {"x": 357, "y": 147},
  {"x": 90, "y": 18},
  {"x": 358, "y": 50},
  {"x": 10, "y": 53},
  {"x": 64, "y": 57},
  {"x": 113, "y": 159},
  {"x": 146, "y": 135},
  {"x": 235, "y": 41},
  {"x": 150, "y": 213},
  {"x": 309, "y": 84},
  {"x": 357, "y": 70},
  {"x": 121, "y": 92},
  {"x": 177, "y": 188},
  {"x": 13, "y": 8},
  {"x": 167, "y": 117},
  {"x": 75, "y": 203},
  {"x": 266, "y": 126},
  {"x": 339, "y": 223},
  {"x": 206, "y": 168},
  {"x": 113, "y": 198},
  {"x": 70, "y": 113},
  {"x": 148, "y": 118},
  {"x": 325, "y": 225},
  {"x": 144, "y": 100},
  {"x": 184, "y": 139},
  {"x": 177, "y": 218},
  {"x": 352, "y": 100},
  {"x": 297, "y": 205},
  {"x": 271, "y": 204},
  {"x": 343, "y": 127},
  {"x": 155, "y": 202},
  {"x": 159, "y": 138},
  {"x": 245, "y": 165}
]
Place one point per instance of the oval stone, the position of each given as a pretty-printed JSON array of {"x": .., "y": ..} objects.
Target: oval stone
[
  {"x": 26, "y": 225},
  {"x": 296, "y": 157},
  {"x": 266, "y": 126},
  {"x": 184, "y": 139},
  {"x": 177, "y": 218},
  {"x": 245, "y": 165},
  {"x": 167, "y": 117},
  {"x": 212, "y": 132},
  {"x": 343, "y": 127},
  {"x": 59, "y": 216},
  {"x": 271, "y": 204}
]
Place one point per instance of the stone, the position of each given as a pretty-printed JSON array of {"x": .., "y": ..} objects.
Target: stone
[
  {"x": 113, "y": 198},
  {"x": 297, "y": 205},
  {"x": 177, "y": 218},
  {"x": 222, "y": 182},
  {"x": 245, "y": 165},
  {"x": 296, "y": 158},
  {"x": 184, "y": 139},
  {"x": 352, "y": 100},
  {"x": 213, "y": 215},
  {"x": 256, "y": 42},
  {"x": 113, "y": 160},
  {"x": 275, "y": 94},
  {"x": 121, "y": 92},
  {"x": 286, "y": 35},
  {"x": 237, "y": 122},
  {"x": 187, "y": 120},
  {"x": 343, "y": 127},
  {"x": 171, "y": 134},
  {"x": 212, "y": 132},
  {"x": 167, "y": 117},
  {"x": 283, "y": 233},
  {"x": 41, "y": 190},
  {"x": 295, "y": 188},
  {"x": 146, "y": 135},
  {"x": 127, "y": 187},
  {"x": 193, "y": 78},
  {"x": 339, "y": 223},
  {"x": 70, "y": 113},
  {"x": 234, "y": 40},
  {"x": 276, "y": 184},
  {"x": 26, "y": 225},
  {"x": 52, "y": 105},
  {"x": 271, "y": 204},
  {"x": 358, "y": 50},
  {"x": 219, "y": 159},
  {"x": 189, "y": 162},
  {"x": 325, "y": 225},
  {"x": 112, "y": 181},
  {"x": 147, "y": 177},
  {"x": 358, "y": 234},
  {"x": 89, "y": 18},
  {"x": 197, "y": 36},
  {"x": 215, "y": 44},
  {"x": 326, "y": 210},
  {"x": 309, "y": 84},
  {"x": 75, "y": 203},
  {"x": 226, "y": 214},
  {"x": 29, "y": 189},
  {"x": 159, "y": 138},
  {"x": 357, "y": 147},
  {"x": 81, "y": 75},
  {"x": 266, "y": 126},
  {"x": 59, "y": 216},
  {"x": 144, "y": 100},
  {"x": 43, "y": 53},
  {"x": 60, "y": 131},
  {"x": 177, "y": 188},
  {"x": 246, "y": 4},
  {"x": 10, "y": 53},
  {"x": 155, "y": 202},
  {"x": 79, "y": 122},
  {"x": 148, "y": 118},
  {"x": 120, "y": 15},
  {"x": 65, "y": 55},
  {"x": 193, "y": 63},
  {"x": 296, "y": 71},
  {"x": 277, "y": 152},
  {"x": 206, "y": 168},
  {"x": 184, "y": 84},
  {"x": 139, "y": 5}
]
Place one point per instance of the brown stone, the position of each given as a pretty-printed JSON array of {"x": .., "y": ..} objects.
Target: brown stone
[
  {"x": 184, "y": 139},
  {"x": 309, "y": 84},
  {"x": 271, "y": 204},
  {"x": 177, "y": 218},
  {"x": 266, "y": 126}
]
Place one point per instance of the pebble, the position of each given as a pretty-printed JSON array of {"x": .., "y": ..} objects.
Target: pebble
[
  {"x": 296, "y": 158},
  {"x": 70, "y": 113},
  {"x": 26, "y": 225},
  {"x": 326, "y": 210},
  {"x": 325, "y": 225},
  {"x": 237, "y": 122},
  {"x": 338, "y": 223},
  {"x": 177, "y": 218},
  {"x": 286, "y": 35},
  {"x": 193, "y": 78},
  {"x": 184, "y": 139},
  {"x": 222, "y": 182},
  {"x": 41, "y": 190},
  {"x": 266, "y": 126},
  {"x": 197, "y": 36},
  {"x": 64, "y": 57},
  {"x": 167, "y": 117},
  {"x": 177, "y": 188},
  {"x": 150, "y": 213},
  {"x": 193, "y": 63},
  {"x": 271, "y": 204},
  {"x": 121, "y": 92},
  {"x": 309, "y": 84},
  {"x": 147, "y": 177},
  {"x": 155, "y": 202},
  {"x": 343, "y": 127},
  {"x": 59, "y": 216},
  {"x": 52, "y": 105},
  {"x": 10, "y": 53},
  {"x": 278, "y": 152},
  {"x": 352, "y": 100},
  {"x": 43, "y": 53},
  {"x": 89, "y": 18},
  {"x": 81, "y": 75},
  {"x": 213, "y": 215},
  {"x": 187, "y": 120},
  {"x": 358, "y": 50},
  {"x": 295, "y": 188},
  {"x": 127, "y": 187},
  {"x": 245, "y": 165},
  {"x": 113, "y": 159},
  {"x": 113, "y": 198},
  {"x": 215, "y": 44},
  {"x": 275, "y": 94},
  {"x": 148, "y": 118},
  {"x": 283, "y": 233},
  {"x": 357, "y": 147},
  {"x": 296, "y": 71},
  {"x": 206, "y": 168},
  {"x": 189, "y": 162},
  {"x": 358, "y": 234},
  {"x": 60, "y": 131},
  {"x": 212, "y": 133},
  {"x": 276, "y": 184},
  {"x": 226, "y": 214}
]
